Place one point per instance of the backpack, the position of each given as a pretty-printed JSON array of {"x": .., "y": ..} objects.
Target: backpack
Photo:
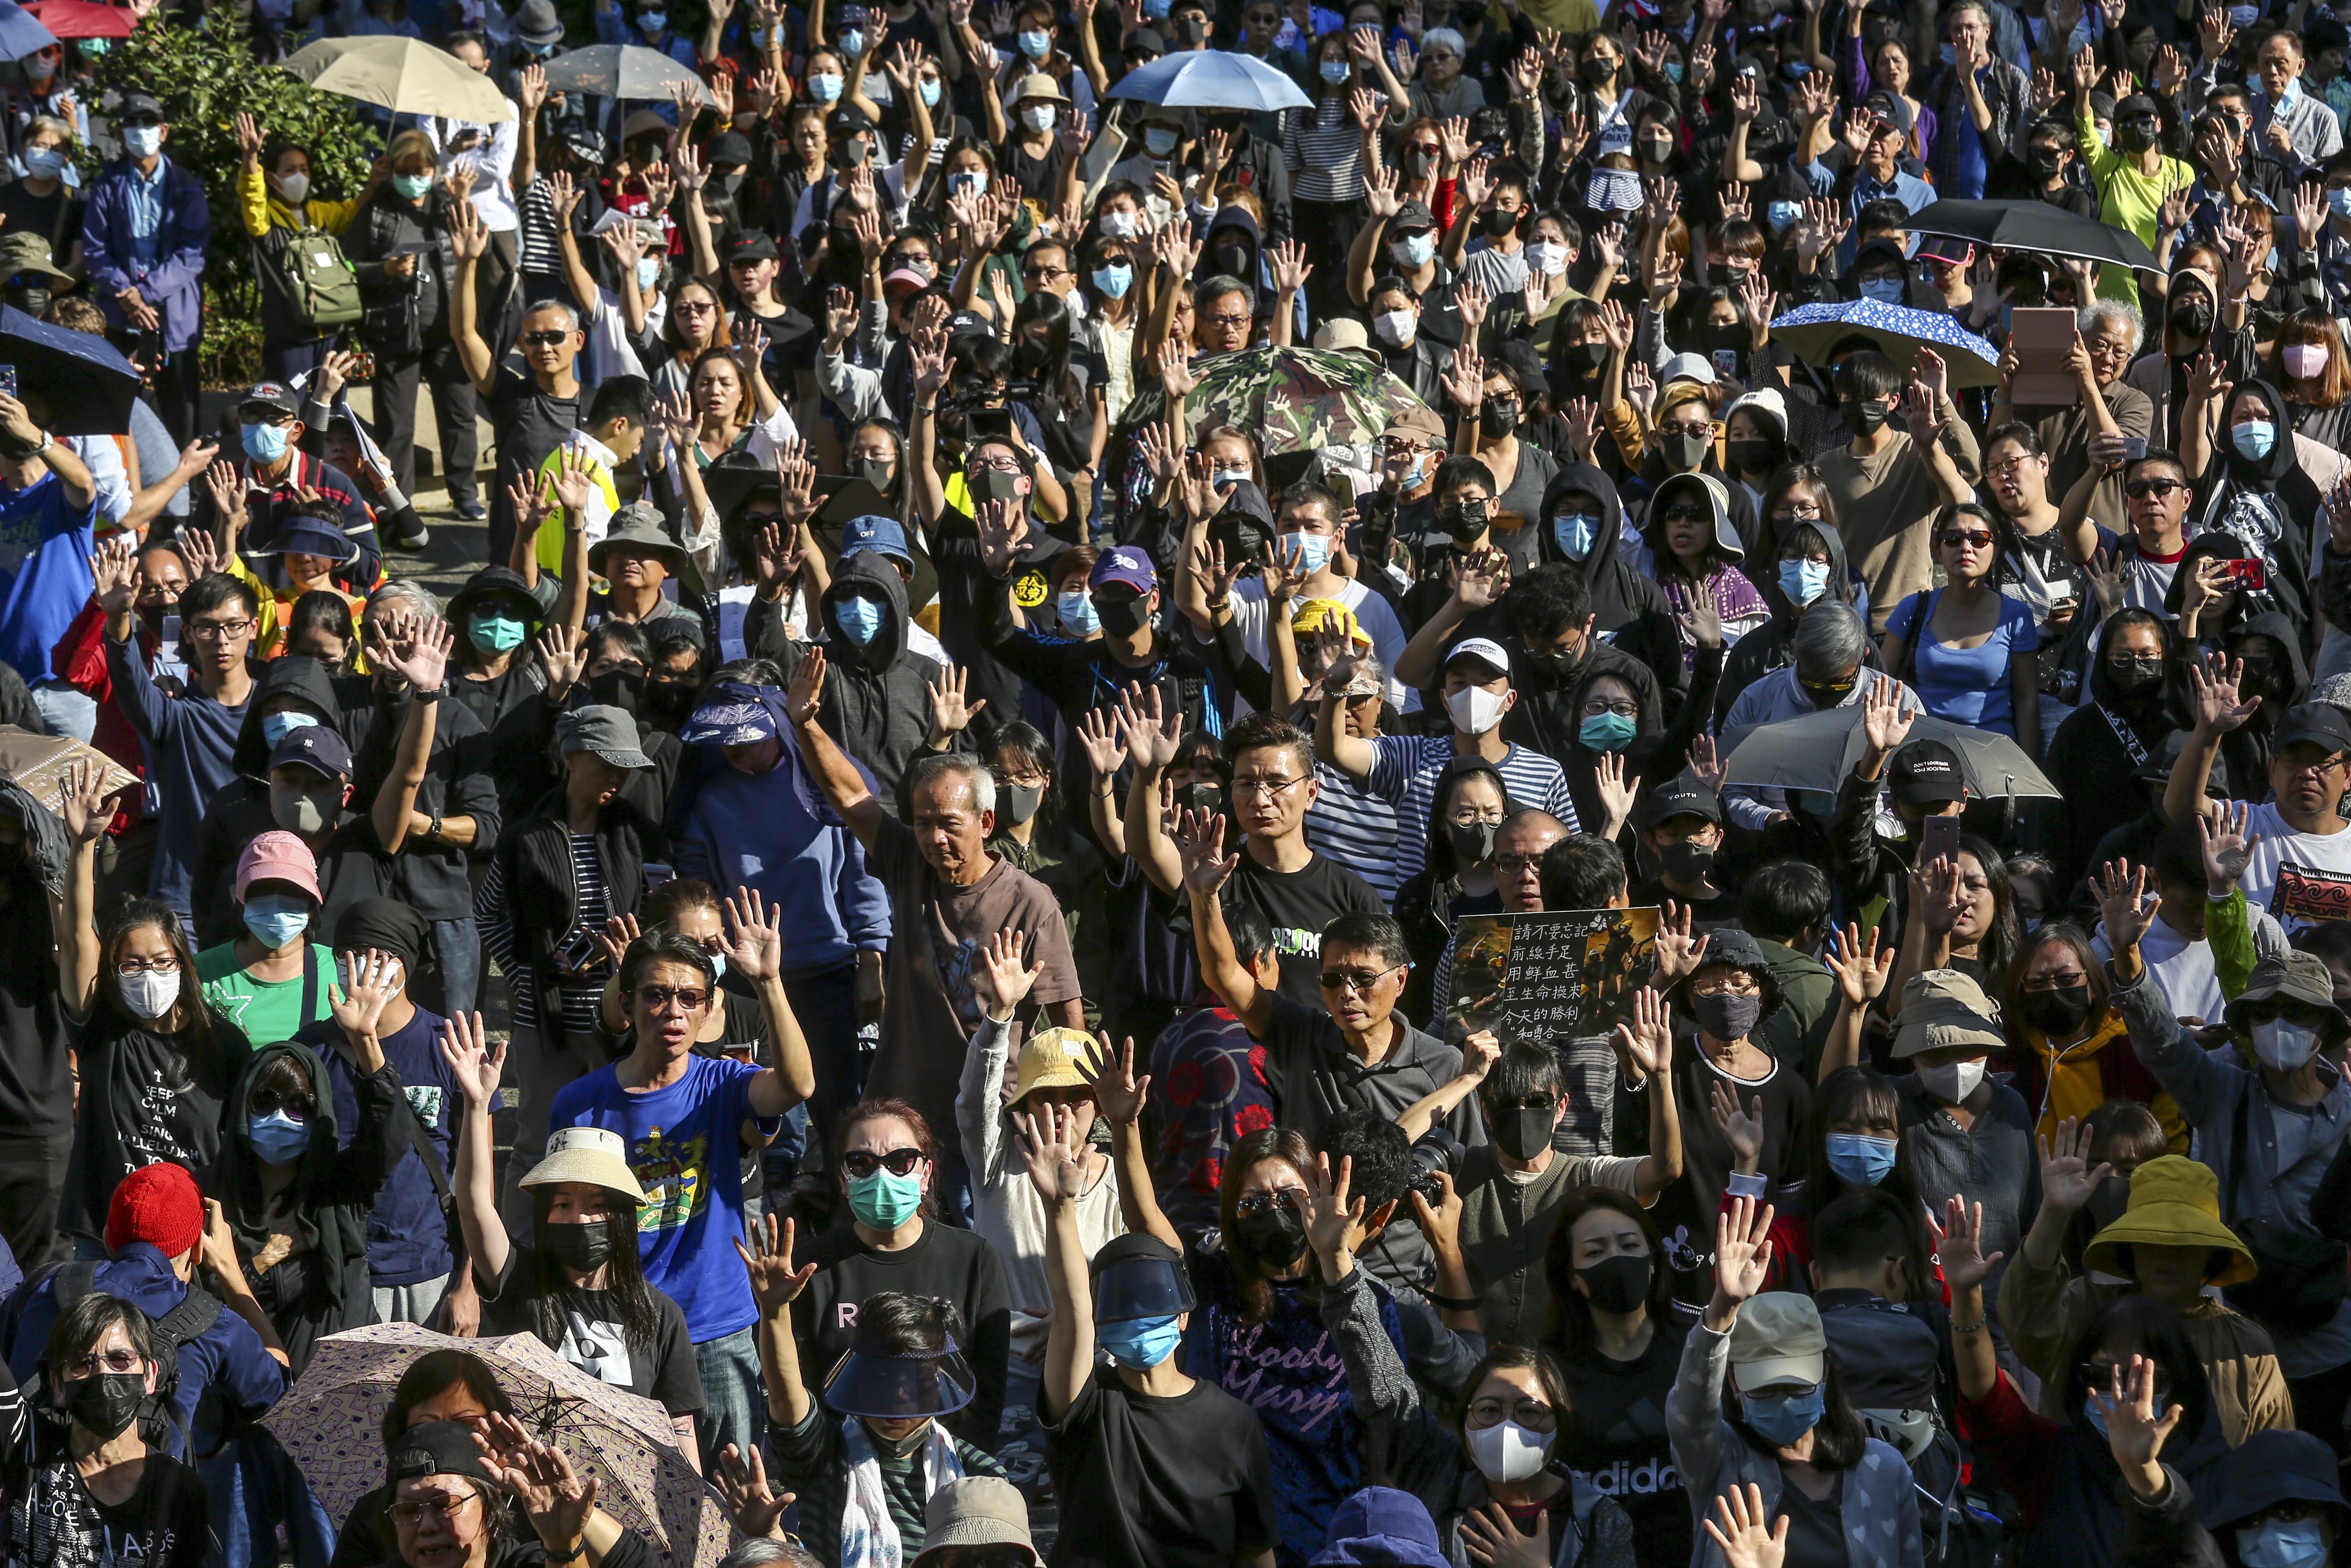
[
  {"x": 313, "y": 283},
  {"x": 184, "y": 1324}
]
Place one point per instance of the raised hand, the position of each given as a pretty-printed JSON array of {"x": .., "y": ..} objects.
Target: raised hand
[
  {"x": 1617, "y": 792},
  {"x": 372, "y": 979},
  {"x": 1884, "y": 722},
  {"x": 998, "y": 979},
  {"x": 774, "y": 1283},
  {"x": 620, "y": 931},
  {"x": 2228, "y": 849},
  {"x": 750, "y": 1501},
  {"x": 564, "y": 651},
  {"x": 2067, "y": 1177},
  {"x": 1939, "y": 897},
  {"x": 1742, "y": 1129},
  {"x": 465, "y": 1046},
  {"x": 807, "y": 690},
  {"x": 1200, "y": 842},
  {"x": 1743, "y": 1250},
  {"x": 1647, "y": 1039},
  {"x": 950, "y": 712},
  {"x": 1328, "y": 1212},
  {"x": 115, "y": 567},
  {"x": 1053, "y": 1147},
  {"x": 2215, "y": 686},
  {"x": 754, "y": 941},
  {"x": 2122, "y": 903},
  {"x": 1678, "y": 954},
  {"x": 556, "y": 1498},
  {"x": 1118, "y": 1094},
  {"x": 2135, "y": 1430},
  {"x": 1747, "y": 1536},
  {"x": 1959, "y": 1247},
  {"x": 1152, "y": 739},
  {"x": 1862, "y": 972}
]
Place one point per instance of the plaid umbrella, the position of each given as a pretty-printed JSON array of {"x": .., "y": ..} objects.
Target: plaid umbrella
[
  {"x": 330, "y": 1422},
  {"x": 1296, "y": 399},
  {"x": 1898, "y": 329}
]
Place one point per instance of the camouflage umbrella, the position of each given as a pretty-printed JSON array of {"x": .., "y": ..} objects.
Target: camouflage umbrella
[
  {"x": 329, "y": 1423},
  {"x": 1295, "y": 400}
]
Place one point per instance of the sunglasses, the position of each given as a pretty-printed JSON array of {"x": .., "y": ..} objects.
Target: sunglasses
[
  {"x": 269, "y": 1101},
  {"x": 1958, "y": 537},
  {"x": 1267, "y": 1202},
  {"x": 2158, "y": 488},
  {"x": 862, "y": 1162},
  {"x": 690, "y": 997},
  {"x": 545, "y": 340}
]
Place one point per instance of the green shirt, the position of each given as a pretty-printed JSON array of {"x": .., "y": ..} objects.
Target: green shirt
[
  {"x": 267, "y": 1011},
  {"x": 2128, "y": 199}
]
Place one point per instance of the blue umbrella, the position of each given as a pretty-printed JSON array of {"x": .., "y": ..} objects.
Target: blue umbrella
[
  {"x": 1209, "y": 78},
  {"x": 88, "y": 384},
  {"x": 1899, "y": 331},
  {"x": 20, "y": 33}
]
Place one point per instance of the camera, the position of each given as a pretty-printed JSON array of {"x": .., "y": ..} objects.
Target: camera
[{"x": 1436, "y": 1152}]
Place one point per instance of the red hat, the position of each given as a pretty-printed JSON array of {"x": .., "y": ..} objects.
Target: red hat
[{"x": 157, "y": 1204}]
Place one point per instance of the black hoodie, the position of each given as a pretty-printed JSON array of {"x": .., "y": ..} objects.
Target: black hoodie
[
  {"x": 1656, "y": 751},
  {"x": 2268, "y": 639},
  {"x": 1772, "y": 645},
  {"x": 2267, "y": 502},
  {"x": 1632, "y": 610},
  {"x": 877, "y": 700},
  {"x": 2090, "y": 758}
]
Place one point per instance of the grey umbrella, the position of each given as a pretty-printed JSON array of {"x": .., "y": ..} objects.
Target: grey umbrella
[
  {"x": 618, "y": 70},
  {"x": 1819, "y": 751}
]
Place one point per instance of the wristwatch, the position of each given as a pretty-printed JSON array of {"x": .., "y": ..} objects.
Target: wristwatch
[
  {"x": 434, "y": 831},
  {"x": 434, "y": 695}
]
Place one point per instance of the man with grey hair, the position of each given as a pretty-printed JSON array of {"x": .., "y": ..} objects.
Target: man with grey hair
[
  {"x": 949, "y": 898},
  {"x": 1831, "y": 647},
  {"x": 1224, "y": 315},
  {"x": 531, "y": 409}
]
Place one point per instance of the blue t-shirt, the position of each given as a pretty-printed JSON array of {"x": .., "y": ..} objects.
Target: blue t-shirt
[
  {"x": 44, "y": 579},
  {"x": 684, "y": 1143},
  {"x": 1966, "y": 686},
  {"x": 408, "y": 1239},
  {"x": 1970, "y": 167}
]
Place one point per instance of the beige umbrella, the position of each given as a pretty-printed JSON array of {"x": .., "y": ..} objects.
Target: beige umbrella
[
  {"x": 401, "y": 75},
  {"x": 39, "y": 763}
]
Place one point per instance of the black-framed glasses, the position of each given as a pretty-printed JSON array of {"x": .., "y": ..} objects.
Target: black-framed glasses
[
  {"x": 2158, "y": 488},
  {"x": 1517, "y": 865},
  {"x": 1267, "y": 1202},
  {"x": 862, "y": 1162},
  {"x": 655, "y": 998},
  {"x": 1532, "y": 1414},
  {"x": 130, "y": 966},
  {"x": 1272, "y": 788},
  {"x": 1622, "y": 707},
  {"x": 1687, "y": 427},
  {"x": 221, "y": 629}
]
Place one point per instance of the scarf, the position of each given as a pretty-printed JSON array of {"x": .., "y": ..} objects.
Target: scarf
[{"x": 869, "y": 1537}]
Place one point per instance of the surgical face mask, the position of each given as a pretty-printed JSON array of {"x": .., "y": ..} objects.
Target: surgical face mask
[
  {"x": 1222, "y": 477},
  {"x": 2255, "y": 441},
  {"x": 1726, "y": 1015},
  {"x": 497, "y": 634},
  {"x": 412, "y": 186},
  {"x": 1606, "y": 732},
  {"x": 931, "y": 90},
  {"x": 824, "y": 86},
  {"x": 1077, "y": 612},
  {"x": 1336, "y": 71},
  {"x": 1780, "y": 1422},
  {"x": 2305, "y": 360},
  {"x": 651, "y": 23},
  {"x": 2273, "y": 1543},
  {"x": 142, "y": 140},
  {"x": 2243, "y": 16},
  {"x": 1782, "y": 215},
  {"x": 262, "y": 442},
  {"x": 860, "y": 618},
  {"x": 276, "y": 727},
  {"x": 276, "y": 918},
  {"x": 1159, "y": 139},
  {"x": 1113, "y": 282},
  {"x": 1395, "y": 327},
  {"x": 1414, "y": 250},
  {"x": 2339, "y": 199},
  {"x": 1038, "y": 117},
  {"x": 45, "y": 162},
  {"x": 278, "y": 1138},
  {"x": 1547, "y": 257},
  {"x": 583, "y": 1248},
  {"x": 1122, "y": 223},
  {"x": 1884, "y": 290},
  {"x": 1804, "y": 580},
  {"x": 885, "y": 1201},
  {"x": 1157, "y": 10},
  {"x": 151, "y": 992},
  {"x": 1675, "y": 70},
  {"x": 1140, "y": 1342},
  {"x": 1475, "y": 709},
  {"x": 973, "y": 183},
  {"x": 1036, "y": 45},
  {"x": 853, "y": 43},
  {"x": 1953, "y": 1081},
  {"x": 303, "y": 812},
  {"x": 1019, "y": 803},
  {"x": 2284, "y": 1046},
  {"x": 292, "y": 188},
  {"x": 1860, "y": 1161},
  {"x": 2093, "y": 1415},
  {"x": 1574, "y": 533},
  {"x": 649, "y": 271},
  {"x": 1507, "y": 1452},
  {"x": 1314, "y": 550},
  {"x": 107, "y": 1402}
]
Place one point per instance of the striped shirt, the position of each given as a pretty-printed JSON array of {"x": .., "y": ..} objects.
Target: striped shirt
[
  {"x": 497, "y": 926},
  {"x": 1404, "y": 769},
  {"x": 1326, "y": 158},
  {"x": 1358, "y": 827}
]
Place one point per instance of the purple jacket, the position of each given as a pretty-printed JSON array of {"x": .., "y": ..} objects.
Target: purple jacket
[{"x": 175, "y": 284}]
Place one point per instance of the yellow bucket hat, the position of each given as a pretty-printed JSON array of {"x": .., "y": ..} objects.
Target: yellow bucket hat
[
  {"x": 1316, "y": 613},
  {"x": 1056, "y": 1058},
  {"x": 2174, "y": 1202}
]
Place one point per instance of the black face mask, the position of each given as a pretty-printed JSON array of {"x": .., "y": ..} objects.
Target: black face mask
[
  {"x": 1235, "y": 261},
  {"x": 583, "y": 1247},
  {"x": 669, "y": 703},
  {"x": 1499, "y": 416},
  {"x": 2192, "y": 317},
  {"x": 1496, "y": 223},
  {"x": 1192, "y": 30},
  {"x": 995, "y": 485},
  {"x": 1599, "y": 70},
  {"x": 1757, "y": 456},
  {"x": 2137, "y": 136},
  {"x": 1278, "y": 1236},
  {"x": 1417, "y": 163},
  {"x": 105, "y": 1402},
  {"x": 732, "y": 183},
  {"x": 2108, "y": 1201},
  {"x": 1688, "y": 860},
  {"x": 2047, "y": 163},
  {"x": 1462, "y": 524},
  {"x": 1864, "y": 418},
  {"x": 2134, "y": 679},
  {"x": 1522, "y": 1131},
  {"x": 1587, "y": 358},
  {"x": 1558, "y": 665},
  {"x": 1616, "y": 1284},
  {"x": 622, "y": 689},
  {"x": 1205, "y": 798},
  {"x": 1120, "y": 617},
  {"x": 31, "y": 301},
  {"x": 1472, "y": 843},
  {"x": 2058, "y": 1011}
]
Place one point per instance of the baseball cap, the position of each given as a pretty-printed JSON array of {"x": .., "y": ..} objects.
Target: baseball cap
[
  {"x": 1125, "y": 564},
  {"x": 159, "y": 1204},
  {"x": 2315, "y": 723},
  {"x": 1480, "y": 648},
  {"x": 1683, "y": 795},
  {"x": 727, "y": 147},
  {"x": 270, "y": 394},
  {"x": 1778, "y": 1339},
  {"x": 277, "y": 856},
  {"x": 609, "y": 732},
  {"x": 1927, "y": 773},
  {"x": 847, "y": 121},
  {"x": 751, "y": 245},
  {"x": 904, "y": 278},
  {"x": 138, "y": 108},
  {"x": 316, "y": 747},
  {"x": 1420, "y": 420},
  {"x": 437, "y": 1448},
  {"x": 1684, "y": 368},
  {"x": 592, "y": 1154},
  {"x": 1410, "y": 217}
]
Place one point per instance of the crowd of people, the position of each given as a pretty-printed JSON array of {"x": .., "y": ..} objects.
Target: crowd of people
[{"x": 915, "y": 909}]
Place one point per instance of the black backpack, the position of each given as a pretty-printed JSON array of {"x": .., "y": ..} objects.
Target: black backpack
[{"x": 184, "y": 1324}]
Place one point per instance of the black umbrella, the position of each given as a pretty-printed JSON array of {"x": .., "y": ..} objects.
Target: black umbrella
[
  {"x": 88, "y": 385},
  {"x": 618, "y": 70},
  {"x": 2034, "y": 226}
]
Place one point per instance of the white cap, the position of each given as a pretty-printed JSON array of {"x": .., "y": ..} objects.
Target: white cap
[
  {"x": 1688, "y": 368},
  {"x": 1484, "y": 648}
]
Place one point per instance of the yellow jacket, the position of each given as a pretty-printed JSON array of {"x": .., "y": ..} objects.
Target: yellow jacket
[{"x": 262, "y": 211}]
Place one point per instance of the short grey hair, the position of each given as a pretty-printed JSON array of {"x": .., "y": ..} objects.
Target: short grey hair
[
  {"x": 938, "y": 764},
  {"x": 408, "y": 590},
  {"x": 2096, "y": 311},
  {"x": 571, "y": 312},
  {"x": 1830, "y": 640},
  {"x": 1437, "y": 35},
  {"x": 759, "y": 1552},
  {"x": 1219, "y": 285}
]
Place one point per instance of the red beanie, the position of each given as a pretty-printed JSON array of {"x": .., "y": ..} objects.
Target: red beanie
[{"x": 157, "y": 1204}]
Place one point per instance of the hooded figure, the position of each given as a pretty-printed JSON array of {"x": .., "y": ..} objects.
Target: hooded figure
[
  {"x": 318, "y": 1285},
  {"x": 1656, "y": 750},
  {"x": 2273, "y": 667},
  {"x": 2118, "y": 730},
  {"x": 1631, "y": 608},
  {"x": 295, "y": 675},
  {"x": 1772, "y": 645},
  {"x": 877, "y": 699},
  {"x": 2191, "y": 329},
  {"x": 1735, "y": 598},
  {"x": 2266, "y": 501}
]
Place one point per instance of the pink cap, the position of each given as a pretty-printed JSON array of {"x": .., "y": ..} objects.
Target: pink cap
[
  {"x": 277, "y": 856},
  {"x": 905, "y": 278}
]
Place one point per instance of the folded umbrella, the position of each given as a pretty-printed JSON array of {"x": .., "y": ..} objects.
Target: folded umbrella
[
  {"x": 329, "y": 1420},
  {"x": 1899, "y": 331},
  {"x": 402, "y": 75},
  {"x": 21, "y": 33},
  {"x": 49, "y": 359},
  {"x": 618, "y": 70},
  {"x": 1819, "y": 751},
  {"x": 1211, "y": 78},
  {"x": 2034, "y": 226}
]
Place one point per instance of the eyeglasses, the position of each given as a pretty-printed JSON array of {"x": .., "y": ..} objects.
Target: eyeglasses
[
  {"x": 2158, "y": 488},
  {"x": 1687, "y": 427},
  {"x": 1226, "y": 321},
  {"x": 221, "y": 629},
  {"x": 112, "y": 1361},
  {"x": 1428, "y": 147},
  {"x": 994, "y": 466},
  {"x": 862, "y": 1162},
  {"x": 655, "y": 998},
  {"x": 1267, "y": 1202},
  {"x": 1517, "y": 865},
  {"x": 1961, "y": 537},
  {"x": 1532, "y": 1414},
  {"x": 690, "y": 308},
  {"x": 1727, "y": 985},
  {"x": 1998, "y": 470},
  {"x": 545, "y": 340},
  {"x": 1270, "y": 789},
  {"x": 1046, "y": 273},
  {"x": 2321, "y": 765},
  {"x": 1622, "y": 707},
  {"x": 414, "y": 1513},
  {"x": 130, "y": 966},
  {"x": 1359, "y": 983}
]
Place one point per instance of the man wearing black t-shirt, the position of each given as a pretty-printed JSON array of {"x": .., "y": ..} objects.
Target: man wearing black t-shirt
[{"x": 530, "y": 414}]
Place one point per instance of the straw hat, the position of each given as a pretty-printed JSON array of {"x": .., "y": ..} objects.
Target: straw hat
[{"x": 2174, "y": 1202}]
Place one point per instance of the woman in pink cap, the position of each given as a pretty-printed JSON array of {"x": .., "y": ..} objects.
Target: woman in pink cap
[{"x": 270, "y": 981}]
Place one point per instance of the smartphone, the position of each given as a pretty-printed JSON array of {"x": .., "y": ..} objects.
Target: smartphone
[
  {"x": 2252, "y": 575},
  {"x": 1939, "y": 839},
  {"x": 2134, "y": 448},
  {"x": 8, "y": 380},
  {"x": 1726, "y": 362}
]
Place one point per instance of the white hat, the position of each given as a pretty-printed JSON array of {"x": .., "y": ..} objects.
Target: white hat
[
  {"x": 1484, "y": 648},
  {"x": 589, "y": 1154},
  {"x": 1688, "y": 368}
]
